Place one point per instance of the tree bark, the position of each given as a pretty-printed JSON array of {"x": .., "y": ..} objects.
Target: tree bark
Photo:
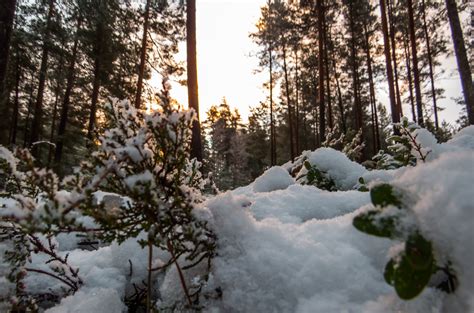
[
  {"x": 430, "y": 64},
  {"x": 328, "y": 78},
  {"x": 272, "y": 123},
  {"x": 394, "y": 56},
  {"x": 414, "y": 55},
  {"x": 355, "y": 71},
  {"x": 36, "y": 127},
  {"x": 67, "y": 95},
  {"x": 16, "y": 103},
  {"x": 410, "y": 80},
  {"x": 97, "y": 78},
  {"x": 322, "y": 108},
  {"x": 7, "y": 14},
  {"x": 288, "y": 102},
  {"x": 373, "y": 102},
  {"x": 196, "y": 142},
  {"x": 388, "y": 63},
  {"x": 461, "y": 58},
  {"x": 297, "y": 105},
  {"x": 143, "y": 56}
]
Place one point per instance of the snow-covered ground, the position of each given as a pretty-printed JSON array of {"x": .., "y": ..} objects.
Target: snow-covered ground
[{"x": 287, "y": 247}]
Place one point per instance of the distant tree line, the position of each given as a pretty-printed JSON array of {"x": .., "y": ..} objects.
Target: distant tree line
[
  {"x": 60, "y": 61},
  {"x": 326, "y": 60}
]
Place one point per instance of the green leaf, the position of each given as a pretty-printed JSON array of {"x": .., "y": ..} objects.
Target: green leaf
[
  {"x": 389, "y": 272},
  {"x": 369, "y": 223},
  {"x": 383, "y": 196},
  {"x": 307, "y": 165},
  {"x": 419, "y": 252},
  {"x": 408, "y": 281}
]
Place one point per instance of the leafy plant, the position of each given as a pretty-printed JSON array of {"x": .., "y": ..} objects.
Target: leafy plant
[
  {"x": 405, "y": 149},
  {"x": 410, "y": 270},
  {"x": 316, "y": 177}
]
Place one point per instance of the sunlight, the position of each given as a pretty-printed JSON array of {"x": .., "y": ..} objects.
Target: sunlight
[{"x": 225, "y": 66}]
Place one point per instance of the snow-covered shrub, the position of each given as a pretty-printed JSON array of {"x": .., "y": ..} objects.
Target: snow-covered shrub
[
  {"x": 412, "y": 262},
  {"x": 145, "y": 157},
  {"x": 34, "y": 207},
  {"x": 315, "y": 177},
  {"x": 408, "y": 148}
]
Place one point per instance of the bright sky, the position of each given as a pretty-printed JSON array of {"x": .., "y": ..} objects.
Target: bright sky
[{"x": 226, "y": 69}]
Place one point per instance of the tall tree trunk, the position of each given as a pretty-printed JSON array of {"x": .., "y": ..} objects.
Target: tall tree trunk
[
  {"x": 388, "y": 63},
  {"x": 394, "y": 56},
  {"x": 16, "y": 103},
  {"x": 143, "y": 56},
  {"x": 339, "y": 93},
  {"x": 355, "y": 71},
  {"x": 7, "y": 14},
  {"x": 461, "y": 58},
  {"x": 410, "y": 80},
  {"x": 36, "y": 127},
  {"x": 55, "y": 113},
  {"x": 288, "y": 102},
  {"x": 196, "y": 142},
  {"x": 414, "y": 55},
  {"x": 328, "y": 78},
  {"x": 67, "y": 96},
  {"x": 430, "y": 64},
  {"x": 297, "y": 105},
  {"x": 97, "y": 78},
  {"x": 373, "y": 102},
  {"x": 28, "y": 112},
  {"x": 322, "y": 109},
  {"x": 272, "y": 123}
]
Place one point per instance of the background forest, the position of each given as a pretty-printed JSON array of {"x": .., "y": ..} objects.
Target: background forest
[{"x": 325, "y": 59}]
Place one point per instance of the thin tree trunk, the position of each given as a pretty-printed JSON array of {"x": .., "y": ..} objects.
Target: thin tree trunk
[
  {"x": 97, "y": 78},
  {"x": 28, "y": 114},
  {"x": 7, "y": 14},
  {"x": 196, "y": 142},
  {"x": 288, "y": 102},
  {"x": 375, "y": 131},
  {"x": 297, "y": 105},
  {"x": 143, "y": 55},
  {"x": 388, "y": 62},
  {"x": 53, "y": 121},
  {"x": 461, "y": 58},
  {"x": 38, "y": 112},
  {"x": 322, "y": 117},
  {"x": 328, "y": 78},
  {"x": 410, "y": 80},
  {"x": 394, "y": 56},
  {"x": 272, "y": 126},
  {"x": 430, "y": 64},
  {"x": 355, "y": 72},
  {"x": 339, "y": 94},
  {"x": 414, "y": 55},
  {"x": 67, "y": 95},
  {"x": 16, "y": 104}
]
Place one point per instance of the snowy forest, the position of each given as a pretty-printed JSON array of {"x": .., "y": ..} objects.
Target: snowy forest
[{"x": 347, "y": 188}]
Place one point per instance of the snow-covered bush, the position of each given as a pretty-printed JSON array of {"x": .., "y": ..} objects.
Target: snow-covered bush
[
  {"x": 151, "y": 189},
  {"x": 412, "y": 263},
  {"x": 145, "y": 157},
  {"x": 407, "y": 148},
  {"x": 34, "y": 207}
]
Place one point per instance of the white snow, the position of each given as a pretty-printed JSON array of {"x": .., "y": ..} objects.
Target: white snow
[
  {"x": 286, "y": 247},
  {"x": 274, "y": 178}
]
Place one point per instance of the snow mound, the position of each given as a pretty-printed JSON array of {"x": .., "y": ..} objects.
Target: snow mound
[
  {"x": 104, "y": 300},
  {"x": 275, "y": 178},
  {"x": 444, "y": 205},
  {"x": 464, "y": 138},
  {"x": 337, "y": 165}
]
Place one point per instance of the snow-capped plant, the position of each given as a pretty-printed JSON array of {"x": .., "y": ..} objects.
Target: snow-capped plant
[
  {"x": 353, "y": 150},
  {"x": 145, "y": 158},
  {"x": 316, "y": 177},
  {"x": 412, "y": 264},
  {"x": 405, "y": 150},
  {"x": 35, "y": 207}
]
